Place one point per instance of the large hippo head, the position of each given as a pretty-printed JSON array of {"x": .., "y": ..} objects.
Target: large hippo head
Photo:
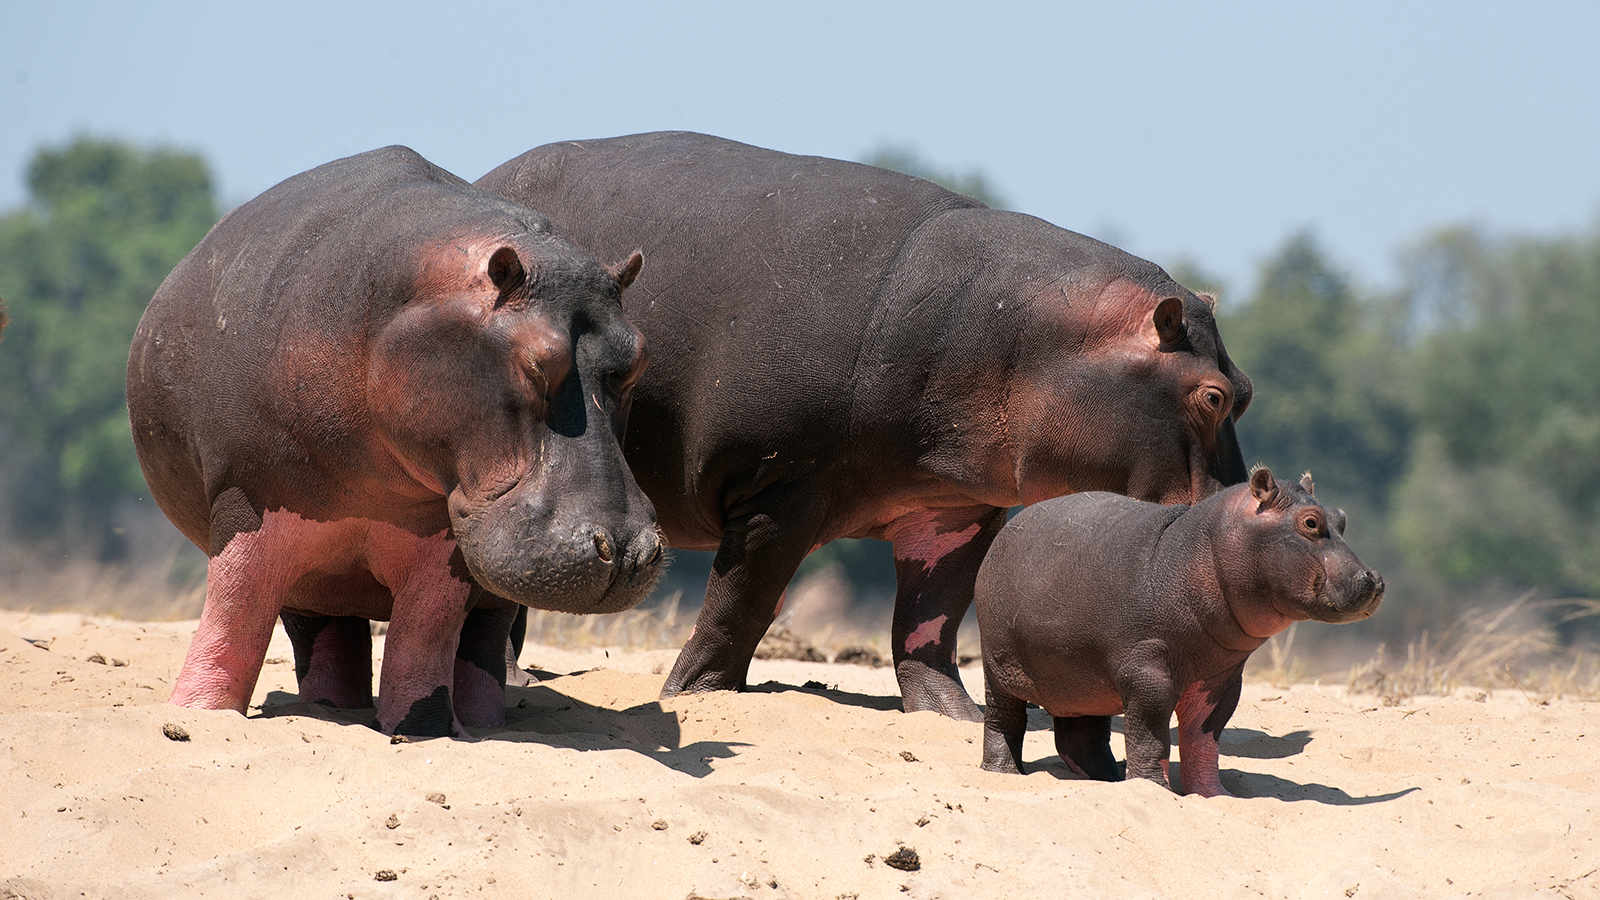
[
  {"x": 503, "y": 383},
  {"x": 1079, "y": 367},
  {"x": 1146, "y": 406}
]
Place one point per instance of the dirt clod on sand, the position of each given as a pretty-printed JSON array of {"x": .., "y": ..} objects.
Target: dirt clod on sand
[{"x": 905, "y": 859}]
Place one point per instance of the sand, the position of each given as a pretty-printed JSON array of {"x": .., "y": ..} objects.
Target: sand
[{"x": 806, "y": 786}]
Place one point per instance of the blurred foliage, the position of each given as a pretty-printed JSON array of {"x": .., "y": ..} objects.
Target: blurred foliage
[
  {"x": 1328, "y": 372},
  {"x": 1508, "y": 395},
  {"x": 906, "y": 159},
  {"x": 1460, "y": 412},
  {"x": 105, "y": 223}
]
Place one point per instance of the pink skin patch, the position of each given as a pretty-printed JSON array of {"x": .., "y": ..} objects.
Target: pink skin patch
[
  {"x": 932, "y": 545},
  {"x": 250, "y": 578},
  {"x": 926, "y": 633}
]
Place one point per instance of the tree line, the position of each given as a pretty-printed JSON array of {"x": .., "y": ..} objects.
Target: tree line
[{"x": 1456, "y": 416}]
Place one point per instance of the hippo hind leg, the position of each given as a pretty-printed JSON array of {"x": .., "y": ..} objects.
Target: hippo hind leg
[
  {"x": 332, "y": 658},
  {"x": 480, "y": 666},
  {"x": 516, "y": 675},
  {"x": 1005, "y": 724},
  {"x": 1084, "y": 743}
]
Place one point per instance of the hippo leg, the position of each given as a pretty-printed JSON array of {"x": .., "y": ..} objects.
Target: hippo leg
[
  {"x": 480, "y": 668},
  {"x": 1005, "y": 724},
  {"x": 1084, "y": 743},
  {"x": 332, "y": 658},
  {"x": 419, "y": 652},
  {"x": 760, "y": 551},
  {"x": 937, "y": 553},
  {"x": 1203, "y": 709},
  {"x": 252, "y": 564},
  {"x": 1148, "y": 700},
  {"x": 515, "y": 673}
]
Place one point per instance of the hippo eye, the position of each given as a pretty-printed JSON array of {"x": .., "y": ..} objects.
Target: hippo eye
[
  {"x": 1312, "y": 524},
  {"x": 537, "y": 375},
  {"x": 1216, "y": 402}
]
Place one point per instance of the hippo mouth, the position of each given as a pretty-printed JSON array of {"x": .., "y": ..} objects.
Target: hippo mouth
[
  {"x": 1340, "y": 601},
  {"x": 563, "y": 566}
]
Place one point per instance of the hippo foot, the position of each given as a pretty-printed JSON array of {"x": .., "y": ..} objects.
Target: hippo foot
[
  {"x": 697, "y": 672},
  {"x": 923, "y": 687},
  {"x": 427, "y": 716},
  {"x": 517, "y": 676},
  {"x": 705, "y": 684}
]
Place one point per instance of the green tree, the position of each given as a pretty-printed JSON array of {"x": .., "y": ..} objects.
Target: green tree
[
  {"x": 1328, "y": 371},
  {"x": 905, "y": 158},
  {"x": 105, "y": 224},
  {"x": 1506, "y": 481}
]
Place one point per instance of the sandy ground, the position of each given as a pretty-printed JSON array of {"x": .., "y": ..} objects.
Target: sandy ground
[{"x": 805, "y": 786}]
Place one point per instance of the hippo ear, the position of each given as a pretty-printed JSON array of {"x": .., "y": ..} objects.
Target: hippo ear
[
  {"x": 1168, "y": 319},
  {"x": 1307, "y": 485},
  {"x": 1262, "y": 485},
  {"x": 627, "y": 270},
  {"x": 505, "y": 270}
]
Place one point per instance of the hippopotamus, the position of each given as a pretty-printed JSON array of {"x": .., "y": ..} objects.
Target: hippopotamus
[
  {"x": 1098, "y": 604},
  {"x": 843, "y": 351},
  {"x": 375, "y": 392}
]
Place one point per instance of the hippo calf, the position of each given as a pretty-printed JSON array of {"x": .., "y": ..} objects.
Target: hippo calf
[
  {"x": 1096, "y": 604},
  {"x": 844, "y": 351},
  {"x": 374, "y": 392}
]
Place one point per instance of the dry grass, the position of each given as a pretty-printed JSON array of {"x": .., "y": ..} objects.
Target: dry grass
[
  {"x": 1513, "y": 647},
  {"x": 160, "y": 592},
  {"x": 653, "y": 627}
]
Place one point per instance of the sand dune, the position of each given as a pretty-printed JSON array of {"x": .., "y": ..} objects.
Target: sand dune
[{"x": 806, "y": 786}]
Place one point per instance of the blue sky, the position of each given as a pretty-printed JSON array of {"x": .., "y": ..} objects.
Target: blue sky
[{"x": 1208, "y": 131}]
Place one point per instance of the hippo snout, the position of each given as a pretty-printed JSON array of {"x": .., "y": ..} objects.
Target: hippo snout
[
  {"x": 1350, "y": 599},
  {"x": 635, "y": 561},
  {"x": 562, "y": 560}
]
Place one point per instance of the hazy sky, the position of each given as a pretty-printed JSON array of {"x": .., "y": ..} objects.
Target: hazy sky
[{"x": 1207, "y": 130}]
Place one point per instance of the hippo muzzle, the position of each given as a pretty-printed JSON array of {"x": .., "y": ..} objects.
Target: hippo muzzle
[
  {"x": 561, "y": 558},
  {"x": 1344, "y": 595}
]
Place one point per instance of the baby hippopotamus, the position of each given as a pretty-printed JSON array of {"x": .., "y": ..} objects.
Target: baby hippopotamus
[{"x": 1094, "y": 604}]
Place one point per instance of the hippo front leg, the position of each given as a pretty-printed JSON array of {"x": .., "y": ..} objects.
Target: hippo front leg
[
  {"x": 419, "y": 652},
  {"x": 1203, "y": 709},
  {"x": 515, "y": 673},
  {"x": 761, "y": 550},
  {"x": 937, "y": 553},
  {"x": 1147, "y": 703}
]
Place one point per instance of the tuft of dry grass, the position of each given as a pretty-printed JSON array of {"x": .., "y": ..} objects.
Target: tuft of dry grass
[
  {"x": 1512, "y": 647},
  {"x": 160, "y": 592},
  {"x": 653, "y": 627}
]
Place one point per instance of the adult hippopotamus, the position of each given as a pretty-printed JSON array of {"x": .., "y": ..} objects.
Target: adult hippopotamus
[
  {"x": 1097, "y": 604},
  {"x": 375, "y": 392},
  {"x": 844, "y": 351}
]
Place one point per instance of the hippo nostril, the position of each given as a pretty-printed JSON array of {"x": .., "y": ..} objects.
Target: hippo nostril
[{"x": 602, "y": 547}]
